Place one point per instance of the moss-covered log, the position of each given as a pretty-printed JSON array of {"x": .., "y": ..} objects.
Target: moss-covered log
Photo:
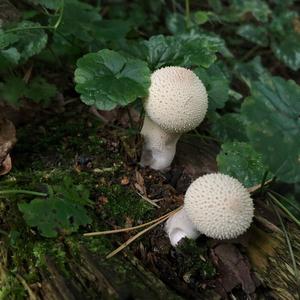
[
  {"x": 272, "y": 261},
  {"x": 86, "y": 276}
]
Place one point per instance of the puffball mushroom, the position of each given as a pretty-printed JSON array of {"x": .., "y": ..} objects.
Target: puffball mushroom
[
  {"x": 177, "y": 103},
  {"x": 216, "y": 205}
]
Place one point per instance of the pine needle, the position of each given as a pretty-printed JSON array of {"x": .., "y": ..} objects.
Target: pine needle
[
  {"x": 258, "y": 186},
  {"x": 132, "y": 239},
  {"x": 97, "y": 233}
]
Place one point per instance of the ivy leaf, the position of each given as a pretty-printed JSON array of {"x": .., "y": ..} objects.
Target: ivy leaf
[
  {"x": 107, "y": 79},
  {"x": 229, "y": 127},
  {"x": 60, "y": 212},
  {"x": 273, "y": 125},
  {"x": 217, "y": 85},
  {"x": 255, "y": 34},
  {"x": 241, "y": 161}
]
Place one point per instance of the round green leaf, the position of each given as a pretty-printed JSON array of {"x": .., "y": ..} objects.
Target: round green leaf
[{"x": 107, "y": 79}]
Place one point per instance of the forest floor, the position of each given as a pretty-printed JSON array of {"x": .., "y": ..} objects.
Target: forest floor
[{"x": 74, "y": 146}]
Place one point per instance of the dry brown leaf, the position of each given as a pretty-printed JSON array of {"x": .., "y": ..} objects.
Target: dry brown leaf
[
  {"x": 7, "y": 141},
  {"x": 234, "y": 269},
  {"x": 6, "y": 165},
  {"x": 140, "y": 183}
]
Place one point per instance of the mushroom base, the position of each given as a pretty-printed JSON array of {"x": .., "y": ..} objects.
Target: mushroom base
[
  {"x": 159, "y": 146},
  {"x": 180, "y": 226}
]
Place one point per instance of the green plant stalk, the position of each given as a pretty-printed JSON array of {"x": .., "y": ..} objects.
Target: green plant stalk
[
  {"x": 7, "y": 192},
  {"x": 292, "y": 217},
  {"x": 187, "y": 13},
  {"x": 285, "y": 199},
  {"x": 263, "y": 183},
  {"x": 54, "y": 27}
]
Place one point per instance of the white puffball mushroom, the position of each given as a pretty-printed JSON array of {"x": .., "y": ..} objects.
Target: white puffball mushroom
[
  {"x": 216, "y": 205},
  {"x": 177, "y": 103}
]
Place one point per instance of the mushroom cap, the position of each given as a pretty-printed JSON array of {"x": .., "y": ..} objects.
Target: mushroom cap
[
  {"x": 219, "y": 206},
  {"x": 177, "y": 99}
]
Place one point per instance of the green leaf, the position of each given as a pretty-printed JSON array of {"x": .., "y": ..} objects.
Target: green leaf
[
  {"x": 255, "y": 34},
  {"x": 286, "y": 39},
  {"x": 229, "y": 127},
  {"x": 251, "y": 71},
  {"x": 162, "y": 51},
  {"x": 51, "y": 215},
  {"x": 112, "y": 29},
  {"x": 186, "y": 50},
  {"x": 7, "y": 39},
  {"x": 273, "y": 125},
  {"x": 51, "y": 4},
  {"x": 12, "y": 90},
  {"x": 241, "y": 161},
  {"x": 80, "y": 20},
  {"x": 176, "y": 23},
  {"x": 240, "y": 8},
  {"x": 40, "y": 91},
  {"x": 9, "y": 58},
  {"x": 217, "y": 85},
  {"x": 107, "y": 79},
  {"x": 201, "y": 17},
  {"x": 31, "y": 41},
  {"x": 62, "y": 211}
]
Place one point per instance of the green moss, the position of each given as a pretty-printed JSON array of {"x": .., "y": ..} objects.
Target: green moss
[
  {"x": 124, "y": 203},
  {"x": 194, "y": 260},
  {"x": 12, "y": 289},
  {"x": 45, "y": 155}
]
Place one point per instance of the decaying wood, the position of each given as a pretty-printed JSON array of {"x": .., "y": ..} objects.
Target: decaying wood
[
  {"x": 271, "y": 259},
  {"x": 91, "y": 276}
]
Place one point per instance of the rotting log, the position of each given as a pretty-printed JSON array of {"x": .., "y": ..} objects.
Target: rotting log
[
  {"x": 91, "y": 276},
  {"x": 271, "y": 259}
]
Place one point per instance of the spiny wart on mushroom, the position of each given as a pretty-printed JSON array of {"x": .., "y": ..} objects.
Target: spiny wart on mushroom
[
  {"x": 216, "y": 205},
  {"x": 177, "y": 103}
]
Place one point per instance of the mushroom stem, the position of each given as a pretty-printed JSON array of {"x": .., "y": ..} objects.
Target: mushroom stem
[
  {"x": 180, "y": 226},
  {"x": 159, "y": 146}
]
